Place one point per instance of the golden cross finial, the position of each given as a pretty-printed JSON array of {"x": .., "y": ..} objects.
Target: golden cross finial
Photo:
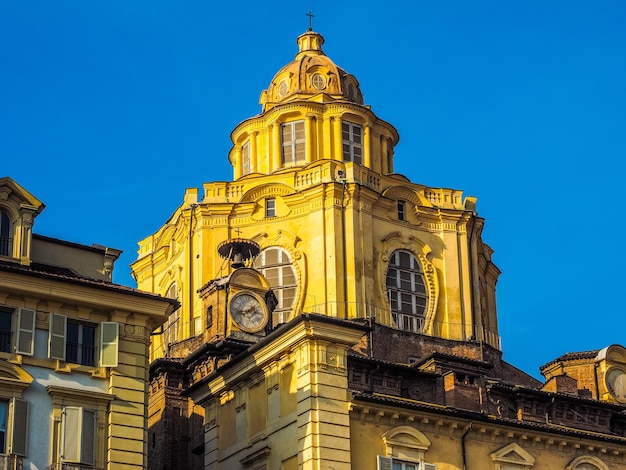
[{"x": 310, "y": 15}]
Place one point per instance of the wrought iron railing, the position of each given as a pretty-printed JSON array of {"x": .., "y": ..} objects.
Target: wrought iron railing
[
  {"x": 72, "y": 466},
  {"x": 350, "y": 310},
  {"x": 10, "y": 462}
]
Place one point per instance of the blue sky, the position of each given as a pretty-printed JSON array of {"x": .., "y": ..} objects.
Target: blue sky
[{"x": 109, "y": 110}]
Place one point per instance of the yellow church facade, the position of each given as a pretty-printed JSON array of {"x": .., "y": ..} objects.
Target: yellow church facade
[
  {"x": 336, "y": 315},
  {"x": 314, "y": 187}
]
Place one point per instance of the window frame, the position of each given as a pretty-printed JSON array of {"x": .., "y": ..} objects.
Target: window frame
[
  {"x": 106, "y": 341},
  {"x": 285, "y": 268},
  {"x": 79, "y": 440},
  {"x": 173, "y": 321},
  {"x": 349, "y": 144},
  {"x": 91, "y": 401},
  {"x": 400, "y": 296},
  {"x": 394, "y": 463},
  {"x": 6, "y": 335},
  {"x": 289, "y": 132},
  {"x": 13, "y": 382},
  {"x": 270, "y": 207},
  {"x": 401, "y": 206},
  {"x": 7, "y": 235}
]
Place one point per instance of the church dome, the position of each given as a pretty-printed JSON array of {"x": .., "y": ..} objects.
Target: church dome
[{"x": 311, "y": 76}]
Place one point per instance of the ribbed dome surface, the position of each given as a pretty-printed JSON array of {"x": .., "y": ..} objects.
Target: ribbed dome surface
[{"x": 311, "y": 75}]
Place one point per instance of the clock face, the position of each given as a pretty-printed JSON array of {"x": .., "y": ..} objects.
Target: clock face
[
  {"x": 248, "y": 312},
  {"x": 616, "y": 383}
]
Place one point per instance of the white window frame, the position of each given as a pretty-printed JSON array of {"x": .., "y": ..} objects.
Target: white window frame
[
  {"x": 392, "y": 463},
  {"x": 352, "y": 142},
  {"x": 284, "y": 268},
  {"x": 270, "y": 207},
  {"x": 291, "y": 144},
  {"x": 400, "y": 296}
]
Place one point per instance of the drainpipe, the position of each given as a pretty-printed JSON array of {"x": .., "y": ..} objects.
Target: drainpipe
[
  {"x": 463, "y": 445},
  {"x": 191, "y": 296},
  {"x": 343, "y": 241}
]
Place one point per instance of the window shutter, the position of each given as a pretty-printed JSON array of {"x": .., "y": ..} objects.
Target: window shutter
[
  {"x": 428, "y": 466},
  {"x": 88, "y": 441},
  {"x": 25, "y": 342},
  {"x": 18, "y": 416},
  {"x": 71, "y": 434},
  {"x": 384, "y": 463},
  {"x": 57, "y": 336},
  {"x": 109, "y": 344}
]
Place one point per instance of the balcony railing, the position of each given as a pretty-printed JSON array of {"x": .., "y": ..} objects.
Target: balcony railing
[
  {"x": 455, "y": 331},
  {"x": 72, "y": 466},
  {"x": 10, "y": 462}
]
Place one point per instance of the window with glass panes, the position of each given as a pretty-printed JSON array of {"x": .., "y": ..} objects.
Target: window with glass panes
[
  {"x": 406, "y": 290},
  {"x": 4, "y": 411},
  {"x": 275, "y": 264},
  {"x": 401, "y": 210},
  {"x": 80, "y": 343},
  {"x": 352, "y": 141},
  {"x": 6, "y": 317},
  {"x": 270, "y": 207},
  {"x": 293, "y": 141},
  {"x": 6, "y": 235},
  {"x": 173, "y": 322}
]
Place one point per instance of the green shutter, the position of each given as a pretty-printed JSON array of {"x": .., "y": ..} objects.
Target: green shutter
[
  {"x": 56, "y": 336},
  {"x": 109, "y": 343},
  {"x": 18, "y": 417},
  {"x": 25, "y": 342},
  {"x": 71, "y": 437},
  {"x": 384, "y": 463},
  {"x": 88, "y": 439}
]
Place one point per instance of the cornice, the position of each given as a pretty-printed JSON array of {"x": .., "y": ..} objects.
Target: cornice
[{"x": 69, "y": 291}]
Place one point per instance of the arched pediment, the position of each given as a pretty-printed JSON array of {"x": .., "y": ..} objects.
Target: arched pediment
[
  {"x": 513, "y": 454},
  {"x": 406, "y": 442},
  {"x": 165, "y": 236},
  {"x": 587, "y": 463},
  {"x": 13, "y": 380},
  {"x": 266, "y": 190},
  {"x": 407, "y": 194}
]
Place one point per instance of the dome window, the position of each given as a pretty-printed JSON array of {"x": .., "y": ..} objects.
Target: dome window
[
  {"x": 318, "y": 81},
  {"x": 283, "y": 88}
]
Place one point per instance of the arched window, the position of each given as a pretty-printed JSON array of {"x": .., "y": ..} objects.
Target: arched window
[
  {"x": 406, "y": 291},
  {"x": 587, "y": 463},
  {"x": 275, "y": 264},
  {"x": 6, "y": 235},
  {"x": 173, "y": 322}
]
